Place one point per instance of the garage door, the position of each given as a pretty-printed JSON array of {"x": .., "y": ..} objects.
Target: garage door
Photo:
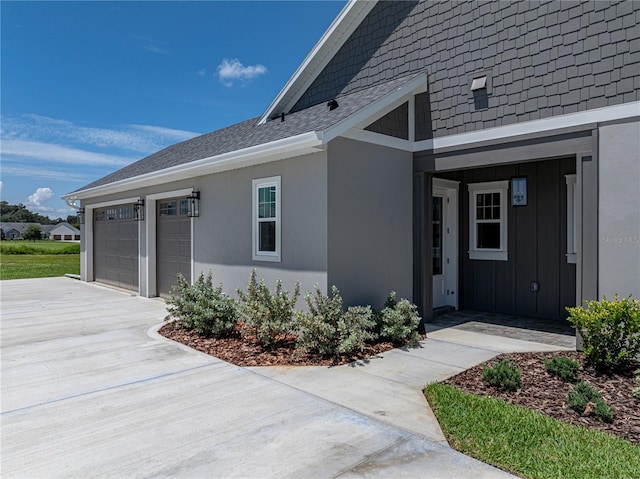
[
  {"x": 173, "y": 243},
  {"x": 115, "y": 246}
]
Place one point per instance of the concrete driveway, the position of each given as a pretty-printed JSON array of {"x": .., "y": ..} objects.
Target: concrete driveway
[{"x": 89, "y": 390}]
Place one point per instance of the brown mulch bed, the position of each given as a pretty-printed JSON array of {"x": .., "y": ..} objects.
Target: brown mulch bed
[
  {"x": 546, "y": 393},
  {"x": 245, "y": 351}
]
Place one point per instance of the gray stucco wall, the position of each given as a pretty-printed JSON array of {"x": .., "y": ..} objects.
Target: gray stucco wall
[
  {"x": 542, "y": 59},
  {"x": 619, "y": 210},
  {"x": 370, "y": 208},
  {"x": 223, "y": 231}
]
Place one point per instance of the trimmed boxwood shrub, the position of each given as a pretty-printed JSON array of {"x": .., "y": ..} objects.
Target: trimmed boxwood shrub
[
  {"x": 610, "y": 331},
  {"x": 399, "y": 321}
]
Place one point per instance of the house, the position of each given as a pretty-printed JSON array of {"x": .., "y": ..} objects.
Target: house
[
  {"x": 62, "y": 231},
  {"x": 476, "y": 155}
]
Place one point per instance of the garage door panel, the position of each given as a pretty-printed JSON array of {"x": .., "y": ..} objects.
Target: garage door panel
[
  {"x": 116, "y": 247},
  {"x": 173, "y": 244}
]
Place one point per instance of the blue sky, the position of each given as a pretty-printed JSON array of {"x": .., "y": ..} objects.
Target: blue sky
[{"x": 88, "y": 87}]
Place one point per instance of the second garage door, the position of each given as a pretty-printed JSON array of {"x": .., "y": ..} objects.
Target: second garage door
[
  {"x": 173, "y": 243},
  {"x": 115, "y": 246}
]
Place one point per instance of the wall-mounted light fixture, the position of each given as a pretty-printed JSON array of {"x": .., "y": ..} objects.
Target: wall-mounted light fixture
[
  {"x": 194, "y": 204},
  {"x": 81, "y": 215},
  {"x": 519, "y": 191},
  {"x": 138, "y": 210}
]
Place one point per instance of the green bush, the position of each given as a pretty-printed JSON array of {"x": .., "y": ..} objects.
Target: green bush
[
  {"x": 399, "y": 321},
  {"x": 201, "y": 307},
  {"x": 583, "y": 395},
  {"x": 25, "y": 249},
  {"x": 610, "y": 331},
  {"x": 327, "y": 329},
  {"x": 563, "y": 367},
  {"x": 269, "y": 316},
  {"x": 504, "y": 375}
]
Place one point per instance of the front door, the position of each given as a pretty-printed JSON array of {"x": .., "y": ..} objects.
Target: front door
[{"x": 445, "y": 243}]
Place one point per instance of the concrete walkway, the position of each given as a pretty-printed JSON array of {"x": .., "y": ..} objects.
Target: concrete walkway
[{"x": 90, "y": 390}]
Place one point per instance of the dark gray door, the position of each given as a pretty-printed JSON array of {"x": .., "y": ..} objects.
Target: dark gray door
[
  {"x": 173, "y": 243},
  {"x": 115, "y": 246}
]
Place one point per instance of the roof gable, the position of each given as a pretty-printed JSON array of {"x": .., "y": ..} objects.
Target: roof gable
[{"x": 322, "y": 53}]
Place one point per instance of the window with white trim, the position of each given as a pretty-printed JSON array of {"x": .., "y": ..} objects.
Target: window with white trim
[
  {"x": 488, "y": 220},
  {"x": 572, "y": 248},
  {"x": 266, "y": 219}
]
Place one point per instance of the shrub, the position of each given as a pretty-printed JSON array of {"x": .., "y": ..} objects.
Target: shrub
[
  {"x": 270, "y": 316},
  {"x": 583, "y": 396},
  {"x": 399, "y": 321},
  {"x": 329, "y": 330},
  {"x": 201, "y": 307},
  {"x": 563, "y": 367},
  {"x": 610, "y": 331},
  {"x": 636, "y": 390},
  {"x": 504, "y": 375}
]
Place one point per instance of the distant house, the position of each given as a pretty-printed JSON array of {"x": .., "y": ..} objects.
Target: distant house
[
  {"x": 59, "y": 232},
  {"x": 467, "y": 155},
  {"x": 62, "y": 232}
]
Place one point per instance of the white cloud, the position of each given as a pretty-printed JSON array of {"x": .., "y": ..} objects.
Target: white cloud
[
  {"x": 139, "y": 139},
  {"x": 231, "y": 70},
  {"x": 169, "y": 133},
  {"x": 53, "y": 153},
  {"x": 202, "y": 72},
  {"x": 41, "y": 196},
  {"x": 45, "y": 173},
  {"x": 1, "y": 185}
]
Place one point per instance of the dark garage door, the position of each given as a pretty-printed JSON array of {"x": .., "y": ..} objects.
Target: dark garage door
[
  {"x": 115, "y": 246},
  {"x": 173, "y": 243}
]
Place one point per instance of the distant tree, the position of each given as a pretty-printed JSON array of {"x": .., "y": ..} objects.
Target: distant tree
[
  {"x": 73, "y": 221},
  {"x": 33, "y": 233},
  {"x": 20, "y": 214},
  {"x": 2, "y": 238}
]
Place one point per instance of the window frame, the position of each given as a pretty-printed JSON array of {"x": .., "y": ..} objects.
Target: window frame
[
  {"x": 257, "y": 184},
  {"x": 489, "y": 254}
]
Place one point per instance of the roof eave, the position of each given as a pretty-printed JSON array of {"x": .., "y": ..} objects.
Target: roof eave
[{"x": 304, "y": 143}]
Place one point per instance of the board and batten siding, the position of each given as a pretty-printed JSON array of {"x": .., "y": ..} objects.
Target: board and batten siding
[{"x": 536, "y": 245}]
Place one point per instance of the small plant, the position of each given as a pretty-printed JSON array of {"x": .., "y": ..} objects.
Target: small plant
[
  {"x": 586, "y": 400},
  {"x": 503, "y": 375},
  {"x": 610, "y": 331},
  {"x": 563, "y": 367},
  {"x": 636, "y": 390},
  {"x": 399, "y": 321},
  {"x": 201, "y": 307},
  {"x": 329, "y": 330},
  {"x": 270, "y": 316}
]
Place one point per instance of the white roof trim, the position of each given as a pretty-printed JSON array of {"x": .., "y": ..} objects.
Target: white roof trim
[
  {"x": 597, "y": 115},
  {"x": 377, "y": 109},
  {"x": 336, "y": 35},
  {"x": 302, "y": 144}
]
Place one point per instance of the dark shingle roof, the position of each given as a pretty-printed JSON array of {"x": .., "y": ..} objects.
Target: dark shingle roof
[{"x": 248, "y": 133}]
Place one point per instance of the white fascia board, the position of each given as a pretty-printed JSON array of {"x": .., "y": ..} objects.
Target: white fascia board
[
  {"x": 597, "y": 115},
  {"x": 376, "y": 109},
  {"x": 331, "y": 41},
  {"x": 298, "y": 145}
]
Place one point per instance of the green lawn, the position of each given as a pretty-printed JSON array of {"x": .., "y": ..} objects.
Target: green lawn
[
  {"x": 38, "y": 259},
  {"x": 528, "y": 443}
]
